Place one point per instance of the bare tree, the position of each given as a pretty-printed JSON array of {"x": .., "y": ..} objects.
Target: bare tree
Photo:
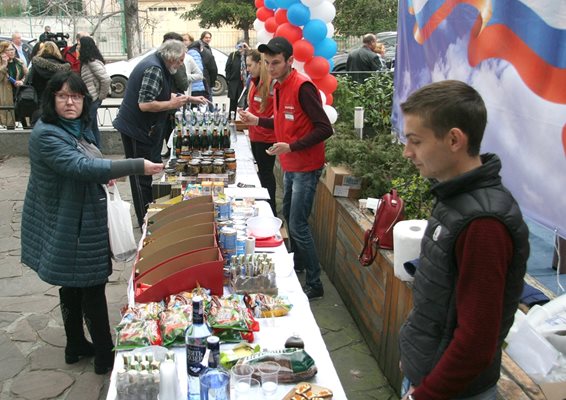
[{"x": 133, "y": 31}]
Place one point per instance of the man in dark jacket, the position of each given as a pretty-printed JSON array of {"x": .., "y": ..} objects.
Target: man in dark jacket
[
  {"x": 364, "y": 59},
  {"x": 236, "y": 73},
  {"x": 473, "y": 254},
  {"x": 147, "y": 98}
]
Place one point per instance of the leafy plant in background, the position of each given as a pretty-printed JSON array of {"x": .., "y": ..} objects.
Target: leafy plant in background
[{"x": 378, "y": 159}]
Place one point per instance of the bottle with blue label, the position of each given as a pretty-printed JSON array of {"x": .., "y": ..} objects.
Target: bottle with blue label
[
  {"x": 215, "y": 382},
  {"x": 195, "y": 345}
]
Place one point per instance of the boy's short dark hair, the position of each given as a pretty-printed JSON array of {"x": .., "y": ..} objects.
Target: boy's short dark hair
[{"x": 450, "y": 104}]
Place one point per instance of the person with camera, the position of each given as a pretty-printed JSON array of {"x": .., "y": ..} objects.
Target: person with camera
[
  {"x": 45, "y": 35},
  {"x": 236, "y": 73},
  {"x": 46, "y": 64}
]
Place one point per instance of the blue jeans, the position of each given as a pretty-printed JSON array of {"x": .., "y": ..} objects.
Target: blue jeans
[
  {"x": 489, "y": 394},
  {"x": 299, "y": 189},
  {"x": 93, "y": 112}
]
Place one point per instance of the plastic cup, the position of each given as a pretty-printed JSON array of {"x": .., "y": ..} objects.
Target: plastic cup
[
  {"x": 269, "y": 372},
  {"x": 241, "y": 374},
  {"x": 247, "y": 390}
]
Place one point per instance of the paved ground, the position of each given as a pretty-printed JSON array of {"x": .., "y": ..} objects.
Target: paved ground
[{"x": 32, "y": 338}]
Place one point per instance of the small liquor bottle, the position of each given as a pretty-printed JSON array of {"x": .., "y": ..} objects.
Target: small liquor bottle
[{"x": 215, "y": 382}]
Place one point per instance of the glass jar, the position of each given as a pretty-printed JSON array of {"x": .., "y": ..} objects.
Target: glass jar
[
  {"x": 229, "y": 153},
  {"x": 206, "y": 167},
  {"x": 218, "y": 167},
  {"x": 194, "y": 167},
  {"x": 231, "y": 164}
]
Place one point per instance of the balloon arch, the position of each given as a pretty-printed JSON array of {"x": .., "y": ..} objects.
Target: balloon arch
[{"x": 307, "y": 24}]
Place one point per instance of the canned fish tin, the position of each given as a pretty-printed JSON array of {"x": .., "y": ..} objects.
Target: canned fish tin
[
  {"x": 241, "y": 244},
  {"x": 222, "y": 208},
  {"x": 228, "y": 240}
]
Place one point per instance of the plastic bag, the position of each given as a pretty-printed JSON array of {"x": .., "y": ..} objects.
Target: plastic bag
[{"x": 121, "y": 231}]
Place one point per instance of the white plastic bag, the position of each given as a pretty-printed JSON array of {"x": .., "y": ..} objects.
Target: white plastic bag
[{"x": 120, "y": 229}]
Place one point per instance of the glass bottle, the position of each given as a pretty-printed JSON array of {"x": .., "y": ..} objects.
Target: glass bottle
[
  {"x": 215, "y": 381},
  {"x": 195, "y": 345}
]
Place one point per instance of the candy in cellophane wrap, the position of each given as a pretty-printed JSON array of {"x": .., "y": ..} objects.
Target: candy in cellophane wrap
[
  {"x": 266, "y": 306},
  {"x": 139, "y": 326},
  {"x": 296, "y": 364},
  {"x": 230, "y": 319}
]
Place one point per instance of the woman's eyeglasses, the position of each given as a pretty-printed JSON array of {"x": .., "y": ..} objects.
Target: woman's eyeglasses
[{"x": 75, "y": 98}]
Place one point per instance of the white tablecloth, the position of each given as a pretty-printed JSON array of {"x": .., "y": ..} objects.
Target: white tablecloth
[{"x": 273, "y": 331}]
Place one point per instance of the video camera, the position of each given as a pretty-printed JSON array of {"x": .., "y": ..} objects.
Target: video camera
[{"x": 57, "y": 38}]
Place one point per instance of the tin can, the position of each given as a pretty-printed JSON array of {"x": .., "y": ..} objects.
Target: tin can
[
  {"x": 228, "y": 240},
  {"x": 240, "y": 244},
  {"x": 222, "y": 208}
]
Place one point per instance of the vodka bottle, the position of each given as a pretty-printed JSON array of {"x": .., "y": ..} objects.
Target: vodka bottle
[{"x": 195, "y": 345}]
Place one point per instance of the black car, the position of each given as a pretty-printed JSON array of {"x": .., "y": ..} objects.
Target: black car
[{"x": 389, "y": 39}]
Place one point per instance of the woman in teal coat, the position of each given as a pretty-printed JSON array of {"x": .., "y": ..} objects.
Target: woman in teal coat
[{"x": 64, "y": 219}]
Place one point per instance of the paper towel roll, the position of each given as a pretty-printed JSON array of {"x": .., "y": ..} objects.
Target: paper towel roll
[{"x": 407, "y": 236}]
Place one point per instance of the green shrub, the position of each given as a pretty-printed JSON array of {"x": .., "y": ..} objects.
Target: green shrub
[{"x": 378, "y": 159}]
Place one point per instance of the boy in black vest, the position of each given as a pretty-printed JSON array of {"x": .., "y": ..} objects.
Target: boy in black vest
[{"x": 473, "y": 254}]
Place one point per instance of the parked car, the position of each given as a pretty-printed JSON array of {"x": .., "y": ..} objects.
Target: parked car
[
  {"x": 389, "y": 39},
  {"x": 120, "y": 72}
]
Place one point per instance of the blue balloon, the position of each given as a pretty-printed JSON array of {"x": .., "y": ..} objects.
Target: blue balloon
[
  {"x": 271, "y": 4},
  {"x": 286, "y": 3},
  {"x": 298, "y": 14},
  {"x": 326, "y": 48},
  {"x": 315, "y": 31}
]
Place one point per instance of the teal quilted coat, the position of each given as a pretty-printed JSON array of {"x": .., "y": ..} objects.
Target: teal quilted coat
[{"x": 64, "y": 220}]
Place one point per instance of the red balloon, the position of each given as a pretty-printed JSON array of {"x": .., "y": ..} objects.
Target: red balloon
[
  {"x": 281, "y": 16},
  {"x": 290, "y": 32},
  {"x": 270, "y": 25},
  {"x": 329, "y": 99},
  {"x": 317, "y": 68},
  {"x": 263, "y": 13},
  {"x": 258, "y": 3},
  {"x": 327, "y": 84},
  {"x": 303, "y": 50}
]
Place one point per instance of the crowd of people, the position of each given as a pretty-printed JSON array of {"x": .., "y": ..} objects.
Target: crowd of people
[{"x": 475, "y": 248}]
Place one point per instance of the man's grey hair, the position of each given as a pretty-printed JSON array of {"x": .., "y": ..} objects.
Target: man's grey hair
[
  {"x": 171, "y": 50},
  {"x": 369, "y": 38}
]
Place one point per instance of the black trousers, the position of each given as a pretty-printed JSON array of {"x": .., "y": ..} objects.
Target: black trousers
[
  {"x": 140, "y": 185},
  {"x": 265, "y": 164}
]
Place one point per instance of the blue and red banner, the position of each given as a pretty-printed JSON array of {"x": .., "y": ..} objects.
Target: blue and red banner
[{"x": 513, "y": 52}]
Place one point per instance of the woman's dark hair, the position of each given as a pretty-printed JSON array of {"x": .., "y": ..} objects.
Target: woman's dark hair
[
  {"x": 35, "y": 50},
  {"x": 75, "y": 84},
  {"x": 89, "y": 52}
]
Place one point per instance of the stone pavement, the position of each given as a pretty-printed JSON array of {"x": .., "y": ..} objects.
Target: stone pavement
[{"x": 32, "y": 338}]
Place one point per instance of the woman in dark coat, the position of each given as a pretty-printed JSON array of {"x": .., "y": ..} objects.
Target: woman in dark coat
[
  {"x": 64, "y": 220},
  {"x": 45, "y": 64}
]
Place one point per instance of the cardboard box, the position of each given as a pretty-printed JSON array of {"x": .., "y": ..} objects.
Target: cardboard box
[
  {"x": 341, "y": 183},
  {"x": 554, "y": 390}
]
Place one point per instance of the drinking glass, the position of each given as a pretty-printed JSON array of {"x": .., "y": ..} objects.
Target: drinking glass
[
  {"x": 248, "y": 391},
  {"x": 269, "y": 372},
  {"x": 241, "y": 375}
]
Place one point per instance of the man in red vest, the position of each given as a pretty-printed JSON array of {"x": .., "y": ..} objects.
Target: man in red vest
[{"x": 301, "y": 127}]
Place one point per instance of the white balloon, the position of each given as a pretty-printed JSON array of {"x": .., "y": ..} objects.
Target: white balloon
[
  {"x": 259, "y": 25},
  {"x": 329, "y": 30},
  {"x": 331, "y": 113},
  {"x": 312, "y": 3},
  {"x": 299, "y": 66},
  {"x": 322, "y": 96},
  {"x": 325, "y": 11},
  {"x": 263, "y": 36}
]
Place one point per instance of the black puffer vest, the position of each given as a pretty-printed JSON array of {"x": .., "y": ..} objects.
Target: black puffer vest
[
  {"x": 430, "y": 326},
  {"x": 133, "y": 122}
]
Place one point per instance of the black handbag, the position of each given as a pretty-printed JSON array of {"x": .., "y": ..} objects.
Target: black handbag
[{"x": 27, "y": 100}]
